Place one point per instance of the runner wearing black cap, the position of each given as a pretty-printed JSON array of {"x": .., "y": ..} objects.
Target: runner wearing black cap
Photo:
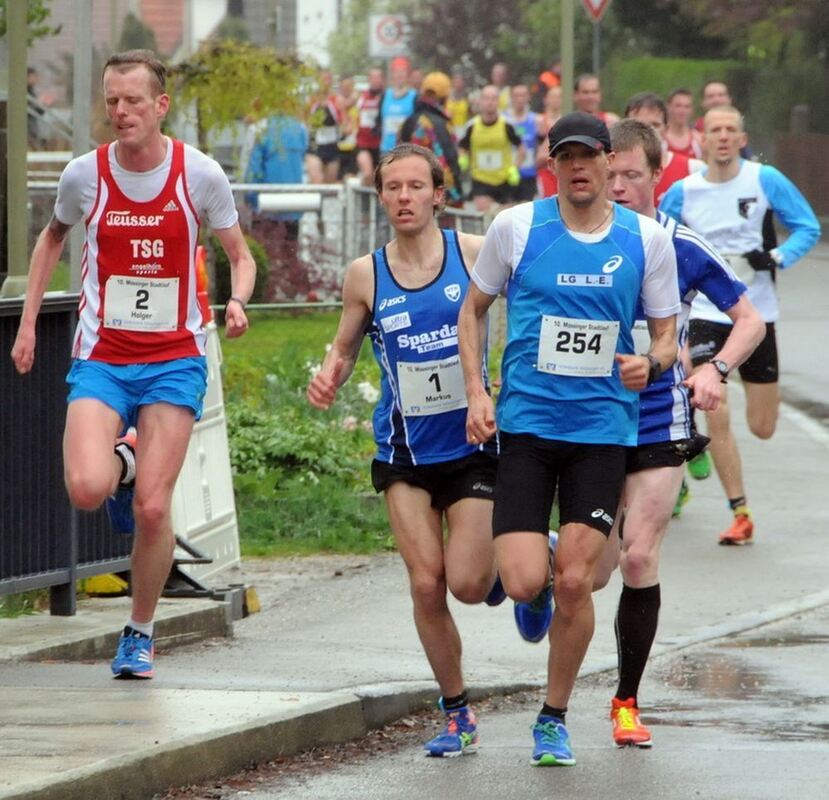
[{"x": 575, "y": 266}]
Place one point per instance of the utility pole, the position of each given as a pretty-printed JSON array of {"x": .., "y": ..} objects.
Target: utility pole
[
  {"x": 17, "y": 36},
  {"x": 81, "y": 117},
  {"x": 567, "y": 56}
]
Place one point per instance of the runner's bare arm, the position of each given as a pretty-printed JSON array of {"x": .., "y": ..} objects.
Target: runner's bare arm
[
  {"x": 634, "y": 369},
  {"x": 338, "y": 364},
  {"x": 480, "y": 418},
  {"x": 242, "y": 278},
  {"x": 747, "y": 332},
  {"x": 44, "y": 260}
]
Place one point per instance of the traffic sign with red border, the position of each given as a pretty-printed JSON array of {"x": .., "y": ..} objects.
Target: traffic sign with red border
[{"x": 596, "y": 8}]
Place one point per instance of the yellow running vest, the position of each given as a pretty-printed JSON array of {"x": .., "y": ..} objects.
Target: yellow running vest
[{"x": 490, "y": 152}]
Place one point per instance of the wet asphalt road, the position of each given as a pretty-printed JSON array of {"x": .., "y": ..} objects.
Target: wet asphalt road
[{"x": 742, "y": 718}]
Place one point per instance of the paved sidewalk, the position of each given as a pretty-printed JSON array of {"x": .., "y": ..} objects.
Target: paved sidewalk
[{"x": 334, "y": 651}]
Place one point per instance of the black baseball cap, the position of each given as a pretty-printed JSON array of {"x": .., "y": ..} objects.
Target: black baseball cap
[{"x": 582, "y": 128}]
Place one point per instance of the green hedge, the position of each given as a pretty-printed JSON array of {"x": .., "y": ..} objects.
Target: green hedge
[{"x": 623, "y": 78}]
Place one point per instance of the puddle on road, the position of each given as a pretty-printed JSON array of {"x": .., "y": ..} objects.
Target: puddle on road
[
  {"x": 792, "y": 640},
  {"x": 724, "y": 687},
  {"x": 716, "y": 676}
]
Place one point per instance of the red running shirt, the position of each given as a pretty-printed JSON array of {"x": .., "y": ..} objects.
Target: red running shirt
[{"x": 139, "y": 298}]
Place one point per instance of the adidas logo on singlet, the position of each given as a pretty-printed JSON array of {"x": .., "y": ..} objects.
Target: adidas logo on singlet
[{"x": 171, "y": 206}]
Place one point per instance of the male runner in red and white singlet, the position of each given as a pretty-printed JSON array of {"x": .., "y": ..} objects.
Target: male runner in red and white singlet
[{"x": 139, "y": 354}]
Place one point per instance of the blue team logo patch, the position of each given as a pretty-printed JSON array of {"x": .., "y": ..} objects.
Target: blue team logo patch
[
  {"x": 745, "y": 205},
  {"x": 453, "y": 292}
]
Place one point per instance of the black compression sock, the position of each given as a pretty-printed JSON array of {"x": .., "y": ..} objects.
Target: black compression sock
[
  {"x": 551, "y": 711},
  {"x": 454, "y": 703},
  {"x": 636, "y": 621}
]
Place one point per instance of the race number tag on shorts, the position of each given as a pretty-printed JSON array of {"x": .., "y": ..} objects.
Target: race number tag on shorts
[
  {"x": 581, "y": 348},
  {"x": 741, "y": 268},
  {"x": 490, "y": 159},
  {"x": 431, "y": 387},
  {"x": 641, "y": 337},
  {"x": 149, "y": 305}
]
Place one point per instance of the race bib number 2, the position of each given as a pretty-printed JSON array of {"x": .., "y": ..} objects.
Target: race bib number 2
[
  {"x": 431, "y": 387},
  {"x": 581, "y": 348},
  {"x": 146, "y": 305}
]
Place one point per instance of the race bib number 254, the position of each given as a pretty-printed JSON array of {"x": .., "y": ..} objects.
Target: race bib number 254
[{"x": 577, "y": 347}]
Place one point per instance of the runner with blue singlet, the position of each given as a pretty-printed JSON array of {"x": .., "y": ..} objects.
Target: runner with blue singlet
[
  {"x": 406, "y": 298},
  {"x": 574, "y": 267}
]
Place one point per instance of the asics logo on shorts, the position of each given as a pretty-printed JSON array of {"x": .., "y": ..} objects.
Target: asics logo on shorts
[
  {"x": 611, "y": 265},
  {"x": 482, "y": 487},
  {"x": 600, "y": 513}
]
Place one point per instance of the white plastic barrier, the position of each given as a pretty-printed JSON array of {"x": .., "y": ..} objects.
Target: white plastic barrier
[{"x": 204, "y": 509}]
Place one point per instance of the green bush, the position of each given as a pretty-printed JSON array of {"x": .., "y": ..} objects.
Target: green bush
[{"x": 301, "y": 476}]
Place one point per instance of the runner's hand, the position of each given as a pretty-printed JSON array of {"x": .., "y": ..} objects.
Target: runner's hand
[
  {"x": 236, "y": 321},
  {"x": 480, "y": 419},
  {"x": 705, "y": 386},
  {"x": 23, "y": 350},
  {"x": 633, "y": 371},
  {"x": 322, "y": 391}
]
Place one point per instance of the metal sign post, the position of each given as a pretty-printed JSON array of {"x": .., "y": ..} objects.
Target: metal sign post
[{"x": 596, "y": 9}]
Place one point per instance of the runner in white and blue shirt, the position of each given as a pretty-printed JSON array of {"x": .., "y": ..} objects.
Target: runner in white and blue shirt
[
  {"x": 574, "y": 267},
  {"x": 655, "y": 466},
  {"x": 728, "y": 203}
]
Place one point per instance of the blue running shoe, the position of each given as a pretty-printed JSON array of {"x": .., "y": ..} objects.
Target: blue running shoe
[
  {"x": 533, "y": 619},
  {"x": 552, "y": 743},
  {"x": 496, "y": 595},
  {"x": 119, "y": 509},
  {"x": 134, "y": 658},
  {"x": 458, "y": 737}
]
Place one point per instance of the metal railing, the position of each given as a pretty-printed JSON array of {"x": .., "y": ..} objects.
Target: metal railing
[{"x": 44, "y": 542}]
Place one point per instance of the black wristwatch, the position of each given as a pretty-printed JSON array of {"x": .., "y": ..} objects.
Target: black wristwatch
[
  {"x": 721, "y": 367},
  {"x": 655, "y": 369}
]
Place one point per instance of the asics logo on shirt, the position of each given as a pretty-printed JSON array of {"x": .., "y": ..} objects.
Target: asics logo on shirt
[
  {"x": 611, "y": 265},
  {"x": 387, "y": 302},
  {"x": 128, "y": 220}
]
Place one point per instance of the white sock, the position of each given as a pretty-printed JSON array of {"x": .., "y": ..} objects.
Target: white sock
[
  {"x": 142, "y": 627},
  {"x": 127, "y": 456}
]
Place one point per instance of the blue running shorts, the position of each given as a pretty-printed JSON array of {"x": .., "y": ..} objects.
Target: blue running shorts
[{"x": 127, "y": 387}]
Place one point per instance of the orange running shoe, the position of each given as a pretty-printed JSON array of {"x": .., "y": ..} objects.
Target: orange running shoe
[
  {"x": 741, "y": 529},
  {"x": 628, "y": 730}
]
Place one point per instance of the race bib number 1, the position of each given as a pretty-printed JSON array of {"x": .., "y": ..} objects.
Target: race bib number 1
[
  {"x": 431, "y": 387},
  {"x": 147, "y": 305},
  {"x": 581, "y": 348}
]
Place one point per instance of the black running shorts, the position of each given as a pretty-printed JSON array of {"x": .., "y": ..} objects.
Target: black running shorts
[
  {"x": 446, "y": 482},
  {"x": 589, "y": 477}
]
